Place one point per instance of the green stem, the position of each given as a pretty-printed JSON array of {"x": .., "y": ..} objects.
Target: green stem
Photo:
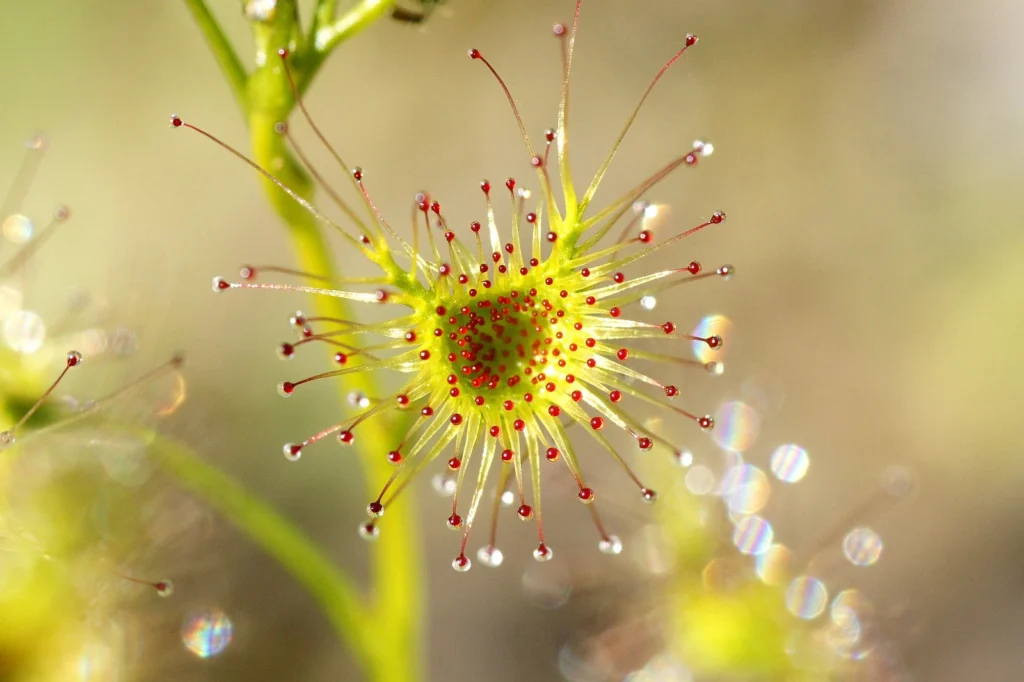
[
  {"x": 395, "y": 561},
  {"x": 331, "y": 588},
  {"x": 224, "y": 53},
  {"x": 265, "y": 98}
]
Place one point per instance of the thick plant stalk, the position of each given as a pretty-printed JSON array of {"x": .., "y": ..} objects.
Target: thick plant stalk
[{"x": 393, "y": 609}]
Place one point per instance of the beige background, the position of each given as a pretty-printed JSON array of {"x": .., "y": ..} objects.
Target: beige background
[{"x": 870, "y": 156}]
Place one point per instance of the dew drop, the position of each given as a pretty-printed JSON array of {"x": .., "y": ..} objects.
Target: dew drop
[
  {"x": 862, "y": 546},
  {"x": 648, "y": 302},
  {"x": 543, "y": 553},
  {"x": 490, "y": 556},
  {"x": 207, "y": 633},
  {"x": 292, "y": 451},
  {"x": 260, "y": 10},
  {"x": 610, "y": 545},
  {"x": 714, "y": 368},
  {"x": 369, "y": 531},
  {"x": 462, "y": 563},
  {"x": 164, "y": 588},
  {"x": 507, "y": 498},
  {"x": 703, "y": 147},
  {"x": 443, "y": 484},
  {"x": 24, "y": 331}
]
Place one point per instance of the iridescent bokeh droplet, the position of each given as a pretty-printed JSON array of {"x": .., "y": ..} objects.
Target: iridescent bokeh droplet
[
  {"x": 737, "y": 426},
  {"x": 852, "y": 634},
  {"x": 24, "y": 331},
  {"x": 745, "y": 489},
  {"x": 862, "y": 546},
  {"x": 772, "y": 565},
  {"x": 753, "y": 535},
  {"x": 207, "y": 633},
  {"x": 789, "y": 463},
  {"x": 806, "y": 597},
  {"x": 648, "y": 302}
]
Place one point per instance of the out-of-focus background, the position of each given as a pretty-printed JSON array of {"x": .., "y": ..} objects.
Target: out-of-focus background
[{"x": 870, "y": 157}]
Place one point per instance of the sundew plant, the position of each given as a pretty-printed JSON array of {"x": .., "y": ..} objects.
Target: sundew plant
[
  {"x": 513, "y": 330},
  {"x": 506, "y": 340}
]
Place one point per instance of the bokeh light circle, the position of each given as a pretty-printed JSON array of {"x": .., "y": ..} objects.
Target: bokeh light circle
[
  {"x": 772, "y": 565},
  {"x": 806, "y": 597},
  {"x": 699, "y": 480},
  {"x": 745, "y": 489},
  {"x": 862, "y": 546},
  {"x": 207, "y": 633},
  {"x": 752, "y": 535},
  {"x": 24, "y": 331},
  {"x": 18, "y": 228},
  {"x": 737, "y": 426},
  {"x": 789, "y": 463}
]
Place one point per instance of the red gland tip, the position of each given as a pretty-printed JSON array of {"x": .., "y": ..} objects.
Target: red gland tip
[
  {"x": 510, "y": 183},
  {"x": 717, "y": 217},
  {"x": 691, "y": 40},
  {"x": 74, "y": 358},
  {"x": 286, "y": 351},
  {"x": 693, "y": 268},
  {"x": 706, "y": 422},
  {"x": 507, "y": 455},
  {"x": 474, "y": 53},
  {"x": 586, "y": 495},
  {"x": 648, "y": 494},
  {"x": 346, "y": 437},
  {"x": 552, "y": 454},
  {"x": 357, "y": 173},
  {"x": 247, "y": 272},
  {"x": 395, "y": 457},
  {"x": 286, "y": 388},
  {"x": 644, "y": 443},
  {"x": 558, "y": 30},
  {"x": 455, "y": 522},
  {"x": 525, "y": 512},
  {"x": 375, "y": 509},
  {"x": 176, "y": 122},
  {"x": 282, "y": 52},
  {"x": 292, "y": 451},
  {"x": 597, "y": 423}
]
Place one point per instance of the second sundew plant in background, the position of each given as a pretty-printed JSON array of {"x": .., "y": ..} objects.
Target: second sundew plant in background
[{"x": 509, "y": 339}]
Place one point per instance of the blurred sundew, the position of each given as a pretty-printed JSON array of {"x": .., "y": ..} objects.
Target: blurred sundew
[
  {"x": 733, "y": 595},
  {"x": 81, "y": 564}
]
